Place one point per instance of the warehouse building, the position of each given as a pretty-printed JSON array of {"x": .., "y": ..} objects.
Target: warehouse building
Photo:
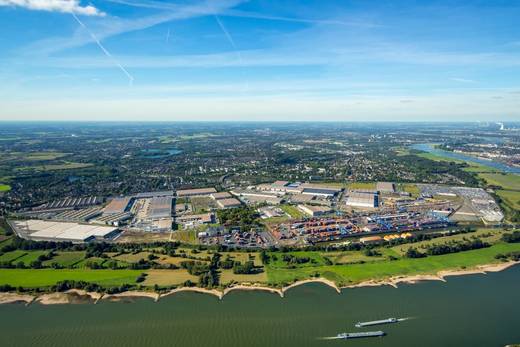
[
  {"x": 325, "y": 192},
  {"x": 221, "y": 195},
  {"x": 81, "y": 215},
  {"x": 159, "y": 208},
  {"x": 147, "y": 195},
  {"x": 194, "y": 220},
  {"x": 314, "y": 211},
  {"x": 228, "y": 203},
  {"x": 385, "y": 187},
  {"x": 39, "y": 230},
  {"x": 69, "y": 203},
  {"x": 183, "y": 193},
  {"x": 118, "y": 205},
  {"x": 115, "y": 219},
  {"x": 367, "y": 199}
]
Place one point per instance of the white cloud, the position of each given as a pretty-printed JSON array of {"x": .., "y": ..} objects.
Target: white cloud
[
  {"x": 462, "y": 80},
  {"x": 65, "y": 6}
]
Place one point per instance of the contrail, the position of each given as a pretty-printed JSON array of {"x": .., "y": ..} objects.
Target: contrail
[
  {"x": 230, "y": 39},
  {"x": 168, "y": 36},
  {"x": 107, "y": 53},
  {"x": 232, "y": 43}
]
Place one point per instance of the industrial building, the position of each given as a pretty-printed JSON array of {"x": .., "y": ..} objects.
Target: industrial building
[
  {"x": 69, "y": 203},
  {"x": 367, "y": 199},
  {"x": 58, "y": 231},
  {"x": 118, "y": 205},
  {"x": 81, "y": 215},
  {"x": 385, "y": 187},
  {"x": 115, "y": 219},
  {"x": 147, "y": 195},
  {"x": 194, "y": 220},
  {"x": 221, "y": 195},
  {"x": 314, "y": 211},
  {"x": 325, "y": 191},
  {"x": 195, "y": 192},
  {"x": 159, "y": 208},
  {"x": 281, "y": 187},
  {"x": 228, "y": 203}
]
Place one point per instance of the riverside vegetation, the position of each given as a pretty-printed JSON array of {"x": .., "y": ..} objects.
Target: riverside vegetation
[{"x": 29, "y": 266}]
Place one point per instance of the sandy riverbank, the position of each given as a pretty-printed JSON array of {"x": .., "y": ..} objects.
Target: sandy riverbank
[
  {"x": 12, "y": 298},
  {"x": 254, "y": 287},
  {"x": 313, "y": 280},
  {"x": 439, "y": 276},
  {"x": 131, "y": 294},
  {"x": 214, "y": 292}
]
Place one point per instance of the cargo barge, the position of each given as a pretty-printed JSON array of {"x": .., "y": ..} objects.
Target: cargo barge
[
  {"x": 345, "y": 336},
  {"x": 376, "y": 322}
]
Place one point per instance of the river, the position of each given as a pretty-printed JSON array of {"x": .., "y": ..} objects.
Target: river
[
  {"x": 473, "y": 310},
  {"x": 430, "y": 148}
]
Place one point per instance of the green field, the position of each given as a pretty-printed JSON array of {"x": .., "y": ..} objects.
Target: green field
[
  {"x": 473, "y": 167},
  {"x": 12, "y": 256},
  {"x": 355, "y": 273},
  {"x": 487, "y": 235},
  {"x": 168, "y": 277},
  {"x": 506, "y": 181},
  {"x": 30, "y": 257},
  {"x": 56, "y": 167},
  {"x": 66, "y": 259},
  {"x": 293, "y": 211},
  {"x": 410, "y": 188},
  {"x": 31, "y": 278},
  {"x": 512, "y": 198},
  {"x": 5, "y": 187}
]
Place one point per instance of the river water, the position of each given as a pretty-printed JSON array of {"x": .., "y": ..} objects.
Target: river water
[
  {"x": 430, "y": 148},
  {"x": 474, "y": 310}
]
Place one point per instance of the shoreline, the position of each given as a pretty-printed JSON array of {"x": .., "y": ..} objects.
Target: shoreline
[{"x": 76, "y": 296}]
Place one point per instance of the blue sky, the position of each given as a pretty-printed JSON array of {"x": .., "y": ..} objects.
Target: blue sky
[{"x": 259, "y": 60}]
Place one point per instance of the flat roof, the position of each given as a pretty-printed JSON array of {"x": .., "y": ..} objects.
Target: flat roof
[
  {"x": 160, "y": 207},
  {"x": 63, "y": 231},
  {"x": 228, "y": 202},
  {"x": 154, "y": 194},
  {"x": 117, "y": 205},
  {"x": 196, "y": 191},
  {"x": 221, "y": 195},
  {"x": 326, "y": 191}
]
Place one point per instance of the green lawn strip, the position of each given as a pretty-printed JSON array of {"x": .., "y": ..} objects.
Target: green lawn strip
[
  {"x": 487, "y": 235},
  {"x": 5, "y": 187},
  {"x": 32, "y": 278},
  {"x": 411, "y": 188},
  {"x": 473, "y": 167},
  {"x": 66, "y": 259},
  {"x": 30, "y": 257},
  {"x": 506, "y": 181},
  {"x": 314, "y": 256},
  {"x": 83, "y": 263},
  {"x": 12, "y": 256},
  {"x": 355, "y": 273},
  {"x": 512, "y": 198},
  {"x": 293, "y": 211}
]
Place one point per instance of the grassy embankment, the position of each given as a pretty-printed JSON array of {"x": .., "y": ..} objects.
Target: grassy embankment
[
  {"x": 342, "y": 267},
  {"x": 379, "y": 270}
]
